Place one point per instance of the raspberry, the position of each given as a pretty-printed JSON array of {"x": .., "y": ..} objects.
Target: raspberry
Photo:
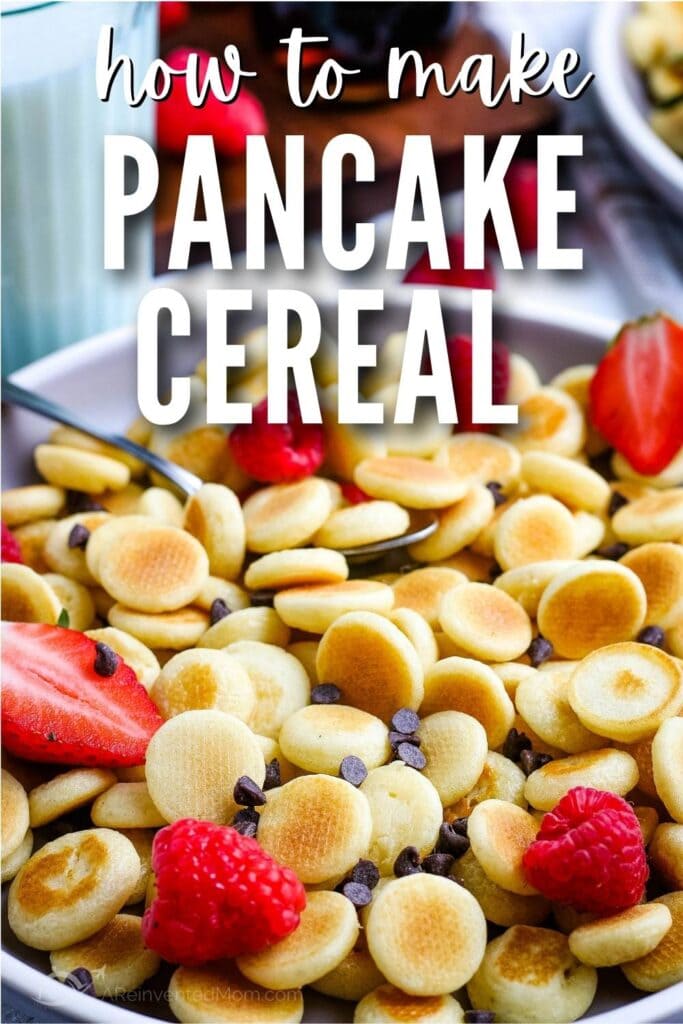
[
  {"x": 278, "y": 452},
  {"x": 460, "y": 361},
  {"x": 218, "y": 895},
  {"x": 353, "y": 493},
  {"x": 11, "y": 552},
  {"x": 455, "y": 275},
  {"x": 589, "y": 853}
]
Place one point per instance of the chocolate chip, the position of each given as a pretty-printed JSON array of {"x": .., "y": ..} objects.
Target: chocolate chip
[
  {"x": 613, "y": 551},
  {"x": 365, "y": 873},
  {"x": 357, "y": 893},
  {"x": 460, "y": 825},
  {"x": 247, "y": 828},
  {"x": 78, "y": 538},
  {"x": 515, "y": 743},
  {"x": 396, "y": 738},
  {"x": 405, "y": 721},
  {"x": 273, "y": 779},
  {"x": 325, "y": 693},
  {"x": 652, "y": 635},
  {"x": 530, "y": 761},
  {"x": 407, "y": 862},
  {"x": 479, "y": 1017},
  {"x": 438, "y": 864},
  {"x": 247, "y": 793},
  {"x": 77, "y": 501},
  {"x": 412, "y": 756},
  {"x": 616, "y": 502},
  {"x": 540, "y": 650},
  {"x": 81, "y": 979},
  {"x": 245, "y": 814},
  {"x": 452, "y": 841},
  {"x": 218, "y": 611},
  {"x": 106, "y": 660},
  {"x": 496, "y": 490},
  {"x": 353, "y": 770}
]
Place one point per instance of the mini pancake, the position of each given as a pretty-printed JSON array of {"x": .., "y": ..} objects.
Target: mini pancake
[
  {"x": 280, "y": 683},
  {"x": 135, "y": 654},
  {"x": 655, "y": 517},
  {"x": 477, "y": 568},
  {"x": 423, "y": 589},
  {"x": 71, "y": 888},
  {"x": 575, "y": 380},
  {"x": 539, "y": 745},
  {"x": 483, "y": 543},
  {"x": 317, "y": 825},
  {"x": 14, "y": 861},
  {"x": 625, "y": 691},
  {"x": 526, "y": 583},
  {"x": 234, "y": 596},
  {"x": 27, "y": 504},
  {"x": 108, "y": 536},
  {"x": 458, "y": 526},
  {"x": 499, "y": 835},
  {"x": 567, "y": 919},
  {"x": 648, "y": 819},
  {"x": 512, "y": 673},
  {"x": 406, "y": 811},
  {"x": 366, "y": 523},
  {"x": 577, "y": 486},
  {"x": 613, "y": 770},
  {"x": 142, "y": 839},
  {"x": 271, "y": 749},
  {"x": 127, "y": 805},
  {"x": 589, "y": 533},
  {"x": 79, "y": 470},
  {"x": 641, "y": 752},
  {"x": 116, "y": 958},
  {"x": 535, "y": 529},
  {"x": 501, "y": 779},
  {"x": 468, "y": 686},
  {"x": 389, "y": 1005},
  {"x": 126, "y": 501},
  {"x": 590, "y": 605},
  {"x": 485, "y": 621},
  {"x": 315, "y": 608},
  {"x": 15, "y": 814},
  {"x": 426, "y": 934},
  {"x": 103, "y": 603},
  {"x": 500, "y": 906},
  {"x": 621, "y": 937},
  {"x": 260, "y": 624},
  {"x": 327, "y": 932},
  {"x": 71, "y": 438},
  {"x": 550, "y": 420},
  {"x": 157, "y": 570},
  {"x": 659, "y": 567},
  {"x": 158, "y": 503},
  {"x": 68, "y": 561},
  {"x": 666, "y": 854},
  {"x": 674, "y": 639},
  {"x": 200, "y": 679},
  {"x": 218, "y": 994},
  {"x": 306, "y": 651},
  {"x": 529, "y": 974},
  {"x": 422, "y": 438},
  {"x": 481, "y": 458},
  {"x": 174, "y": 630},
  {"x": 75, "y": 598},
  {"x": 194, "y": 761},
  {"x": 297, "y": 566},
  {"x": 373, "y": 663},
  {"x": 440, "y": 735},
  {"x": 543, "y": 700},
  {"x": 204, "y": 452},
  {"x": 31, "y": 538},
  {"x": 318, "y": 737},
  {"x": 412, "y": 482},
  {"x": 670, "y": 476},
  {"x": 664, "y": 965},
  {"x": 66, "y": 792},
  {"x": 354, "y": 977},
  {"x": 524, "y": 379},
  {"x": 214, "y": 516},
  {"x": 347, "y": 444},
  {"x": 667, "y": 766},
  {"x": 26, "y": 596},
  {"x": 418, "y": 632},
  {"x": 286, "y": 515}
]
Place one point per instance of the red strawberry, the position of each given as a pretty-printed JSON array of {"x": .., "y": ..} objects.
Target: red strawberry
[
  {"x": 460, "y": 360},
  {"x": 57, "y": 707},
  {"x": 228, "y": 123},
  {"x": 172, "y": 14},
  {"x": 456, "y": 276},
  {"x": 636, "y": 394},
  {"x": 9, "y": 546}
]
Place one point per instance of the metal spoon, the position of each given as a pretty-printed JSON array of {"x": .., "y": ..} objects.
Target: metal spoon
[{"x": 421, "y": 526}]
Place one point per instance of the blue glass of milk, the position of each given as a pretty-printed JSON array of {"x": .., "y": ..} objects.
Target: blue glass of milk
[{"x": 54, "y": 288}]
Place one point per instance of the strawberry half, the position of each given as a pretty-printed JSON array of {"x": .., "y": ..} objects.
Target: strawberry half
[
  {"x": 454, "y": 276},
  {"x": 636, "y": 395},
  {"x": 57, "y": 708}
]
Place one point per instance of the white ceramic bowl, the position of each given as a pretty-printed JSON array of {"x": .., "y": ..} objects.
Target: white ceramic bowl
[
  {"x": 626, "y": 106},
  {"x": 98, "y": 378}
]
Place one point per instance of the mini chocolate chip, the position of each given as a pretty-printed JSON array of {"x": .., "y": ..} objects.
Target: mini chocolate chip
[
  {"x": 366, "y": 873},
  {"x": 246, "y": 814},
  {"x": 325, "y": 693},
  {"x": 353, "y": 770},
  {"x": 407, "y": 862},
  {"x": 247, "y": 794},
  {"x": 460, "y": 825},
  {"x": 273, "y": 779},
  {"x": 218, "y": 611},
  {"x": 246, "y": 828},
  {"x": 405, "y": 721},
  {"x": 357, "y": 893},
  {"x": 81, "y": 979},
  {"x": 515, "y": 743},
  {"x": 613, "y": 551},
  {"x": 530, "y": 761},
  {"x": 479, "y": 1016},
  {"x": 77, "y": 501},
  {"x": 106, "y": 660},
  {"x": 396, "y": 738},
  {"x": 496, "y": 490},
  {"x": 452, "y": 841},
  {"x": 540, "y": 650},
  {"x": 79, "y": 536},
  {"x": 438, "y": 864},
  {"x": 616, "y": 502},
  {"x": 412, "y": 756},
  {"x": 652, "y": 635}
]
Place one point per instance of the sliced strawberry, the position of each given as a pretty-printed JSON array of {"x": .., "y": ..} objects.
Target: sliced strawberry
[
  {"x": 460, "y": 360},
  {"x": 9, "y": 546},
  {"x": 636, "y": 395},
  {"x": 57, "y": 708},
  {"x": 455, "y": 276}
]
